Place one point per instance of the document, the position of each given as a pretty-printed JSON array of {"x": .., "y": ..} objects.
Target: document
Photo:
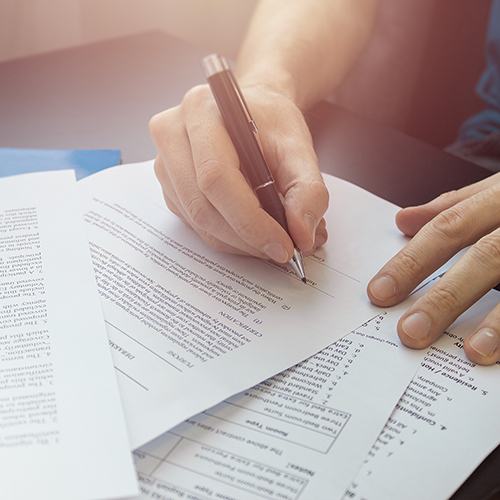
[
  {"x": 298, "y": 435},
  {"x": 445, "y": 424},
  {"x": 190, "y": 326},
  {"x": 63, "y": 433}
]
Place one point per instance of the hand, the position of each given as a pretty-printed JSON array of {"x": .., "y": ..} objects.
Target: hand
[
  {"x": 441, "y": 228},
  {"x": 198, "y": 169}
]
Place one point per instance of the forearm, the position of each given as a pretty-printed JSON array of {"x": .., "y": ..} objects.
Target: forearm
[{"x": 304, "y": 48}]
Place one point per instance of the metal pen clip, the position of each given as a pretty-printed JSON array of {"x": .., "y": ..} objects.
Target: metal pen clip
[{"x": 213, "y": 64}]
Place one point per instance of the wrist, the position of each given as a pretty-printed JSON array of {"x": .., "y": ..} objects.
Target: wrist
[{"x": 268, "y": 80}]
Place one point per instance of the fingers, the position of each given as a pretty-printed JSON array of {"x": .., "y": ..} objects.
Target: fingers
[
  {"x": 306, "y": 201},
  {"x": 465, "y": 283},
  {"x": 483, "y": 345},
  {"x": 474, "y": 220},
  {"x": 321, "y": 235},
  {"x": 175, "y": 169},
  {"x": 440, "y": 239},
  {"x": 289, "y": 151},
  {"x": 198, "y": 169},
  {"x": 221, "y": 182},
  {"x": 410, "y": 220},
  {"x": 175, "y": 207}
]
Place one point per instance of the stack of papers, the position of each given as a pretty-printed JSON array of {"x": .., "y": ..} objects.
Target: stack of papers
[
  {"x": 232, "y": 379},
  {"x": 63, "y": 434}
]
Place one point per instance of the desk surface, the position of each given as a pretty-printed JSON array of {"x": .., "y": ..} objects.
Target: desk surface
[{"x": 102, "y": 96}]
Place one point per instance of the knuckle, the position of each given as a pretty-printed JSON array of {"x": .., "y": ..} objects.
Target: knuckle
[
  {"x": 320, "y": 193},
  {"x": 156, "y": 127},
  {"x": 445, "y": 300},
  {"x": 198, "y": 213},
  {"x": 160, "y": 171},
  {"x": 245, "y": 229},
  {"x": 409, "y": 265},
  {"x": 449, "y": 196},
  {"x": 210, "y": 176},
  {"x": 452, "y": 224},
  {"x": 154, "y": 124},
  {"x": 316, "y": 192},
  {"x": 195, "y": 95},
  {"x": 487, "y": 249},
  {"x": 160, "y": 122}
]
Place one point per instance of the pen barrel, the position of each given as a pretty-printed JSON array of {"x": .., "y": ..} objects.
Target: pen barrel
[
  {"x": 271, "y": 203},
  {"x": 239, "y": 128}
]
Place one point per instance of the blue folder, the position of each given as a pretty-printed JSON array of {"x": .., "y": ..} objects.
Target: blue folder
[{"x": 85, "y": 162}]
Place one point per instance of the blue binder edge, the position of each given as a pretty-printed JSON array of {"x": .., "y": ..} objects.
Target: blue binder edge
[{"x": 14, "y": 161}]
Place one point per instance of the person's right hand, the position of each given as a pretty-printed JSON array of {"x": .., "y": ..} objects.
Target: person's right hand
[{"x": 198, "y": 169}]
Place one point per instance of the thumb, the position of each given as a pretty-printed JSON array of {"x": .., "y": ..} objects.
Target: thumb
[{"x": 305, "y": 195}]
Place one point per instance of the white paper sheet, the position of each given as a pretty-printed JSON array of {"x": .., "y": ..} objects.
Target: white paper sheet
[
  {"x": 300, "y": 434},
  {"x": 275, "y": 440},
  {"x": 190, "y": 326},
  {"x": 446, "y": 423},
  {"x": 62, "y": 430}
]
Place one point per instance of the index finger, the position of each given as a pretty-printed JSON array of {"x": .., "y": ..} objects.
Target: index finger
[
  {"x": 221, "y": 181},
  {"x": 289, "y": 151},
  {"x": 440, "y": 239}
]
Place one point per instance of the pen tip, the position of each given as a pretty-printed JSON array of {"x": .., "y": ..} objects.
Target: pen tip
[{"x": 304, "y": 281}]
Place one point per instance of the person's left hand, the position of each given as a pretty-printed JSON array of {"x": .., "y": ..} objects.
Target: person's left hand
[{"x": 440, "y": 229}]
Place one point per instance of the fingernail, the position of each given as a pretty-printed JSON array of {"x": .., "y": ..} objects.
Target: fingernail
[
  {"x": 383, "y": 288},
  {"x": 484, "y": 342},
  {"x": 276, "y": 252},
  {"x": 417, "y": 326}
]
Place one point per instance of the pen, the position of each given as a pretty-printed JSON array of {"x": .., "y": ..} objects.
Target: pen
[{"x": 242, "y": 129}]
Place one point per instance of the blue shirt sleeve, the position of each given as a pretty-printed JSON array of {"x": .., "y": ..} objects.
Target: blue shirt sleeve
[{"x": 487, "y": 121}]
